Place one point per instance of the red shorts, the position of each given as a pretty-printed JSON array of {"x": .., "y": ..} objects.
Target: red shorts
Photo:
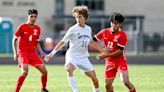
[
  {"x": 29, "y": 58},
  {"x": 111, "y": 68}
]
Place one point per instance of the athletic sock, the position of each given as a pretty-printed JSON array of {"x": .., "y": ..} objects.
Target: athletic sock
[
  {"x": 96, "y": 90},
  {"x": 43, "y": 81},
  {"x": 132, "y": 90},
  {"x": 72, "y": 83},
  {"x": 19, "y": 83}
]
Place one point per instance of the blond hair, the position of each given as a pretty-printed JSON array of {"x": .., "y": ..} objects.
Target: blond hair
[{"x": 83, "y": 10}]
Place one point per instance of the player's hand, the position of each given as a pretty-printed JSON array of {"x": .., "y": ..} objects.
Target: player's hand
[
  {"x": 15, "y": 56},
  {"x": 101, "y": 56},
  {"x": 43, "y": 55},
  {"x": 48, "y": 57},
  {"x": 105, "y": 51}
]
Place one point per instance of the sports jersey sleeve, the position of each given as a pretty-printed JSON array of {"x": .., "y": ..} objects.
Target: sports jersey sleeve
[
  {"x": 90, "y": 32},
  {"x": 18, "y": 31},
  {"x": 99, "y": 35},
  {"x": 67, "y": 36},
  {"x": 38, "y": 36},
  {"x": 122, "y": 40}
]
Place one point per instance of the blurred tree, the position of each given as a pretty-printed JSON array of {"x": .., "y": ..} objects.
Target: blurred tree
[
  {"x": 156, "y": 41},
  {"x": 146, "y": 41}
]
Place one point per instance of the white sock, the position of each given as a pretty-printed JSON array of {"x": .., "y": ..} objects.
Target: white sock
[
  {"x": 72, "y": 83},
  {"x": 96, "y": 89}
]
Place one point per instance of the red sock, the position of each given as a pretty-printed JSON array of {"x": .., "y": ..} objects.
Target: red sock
[
  {"x": 44, "y": 81},
  {"x": 19, "y": 83},
  {"x": 134, "y": 90}
]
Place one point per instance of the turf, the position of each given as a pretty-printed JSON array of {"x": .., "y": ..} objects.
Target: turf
[{"x": 146, "y": 78}]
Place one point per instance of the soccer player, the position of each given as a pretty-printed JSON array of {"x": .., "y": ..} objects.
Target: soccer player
[
  {"x": 115, "y": 61},
  {"x": 79, "y": 37},
  {"x": 28, "y": 35}
]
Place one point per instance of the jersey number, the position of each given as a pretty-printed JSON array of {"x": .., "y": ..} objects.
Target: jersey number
[
  {"x": 84, "y": 43},
  {"x": 30, "y": 38},
  {"x": 110, "y": 44}
]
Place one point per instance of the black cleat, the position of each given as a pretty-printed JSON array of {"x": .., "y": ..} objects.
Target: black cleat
[{"x": 44, "y": 90}]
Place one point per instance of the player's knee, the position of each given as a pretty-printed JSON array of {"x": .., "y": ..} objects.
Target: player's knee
[
  {"x": 126, "y": 82},
  {"x": 108, "y": 86},
  {"x": 24, "y": 73},
  {"x": 69, "y": 70}
]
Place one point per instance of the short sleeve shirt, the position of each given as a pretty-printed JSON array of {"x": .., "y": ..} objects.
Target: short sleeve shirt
[
  {"x": 113, "y": 40},
  {"x": 27, "y": 37},
  {"x": 78, "y": 38}
]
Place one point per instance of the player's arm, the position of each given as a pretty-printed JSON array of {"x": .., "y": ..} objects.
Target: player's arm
[
  {"x": 39, "y": 49},
  {"x": 93, "y": 44},
  {"x": 59, "y": 46},
  {"x": 113, "y": 54},
  {"x": 14, "y": 45}
]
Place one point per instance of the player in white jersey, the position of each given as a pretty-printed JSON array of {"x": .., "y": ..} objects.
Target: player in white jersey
[{"x": 79, "y": 38}]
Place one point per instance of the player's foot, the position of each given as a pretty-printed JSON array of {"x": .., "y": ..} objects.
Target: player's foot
[{"x": 44, "y": 90}]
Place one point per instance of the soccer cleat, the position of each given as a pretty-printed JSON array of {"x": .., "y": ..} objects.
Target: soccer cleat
[{"x": 44, "y": 90}]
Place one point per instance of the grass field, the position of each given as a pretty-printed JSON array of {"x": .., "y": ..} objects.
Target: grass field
[{"x": 146, "y": 78}]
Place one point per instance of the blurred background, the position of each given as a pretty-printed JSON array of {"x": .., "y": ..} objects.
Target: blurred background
[{"x": 144, "y": 22}]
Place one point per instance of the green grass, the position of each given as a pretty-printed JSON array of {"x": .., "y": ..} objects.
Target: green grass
[{"x": 146, "y": 78}]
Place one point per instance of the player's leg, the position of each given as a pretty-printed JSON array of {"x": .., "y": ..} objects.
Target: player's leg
[
  {"x": 70, "y": 68},
  {"x": 38, "y": 64},
  {"x": 123, "y": 72},
  {"x": 108, "y": 84},
  {"x": 24, "y": 73},
  {"x": 125, "y": 78},
  {"x": 86, "y": 67},
  {"x": 93, "y": 77},
  {"x": 44, "y": 72},
  {"x": 110, "y": 74}
]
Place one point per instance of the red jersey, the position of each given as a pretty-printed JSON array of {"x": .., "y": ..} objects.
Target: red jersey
[
  {"x": 28, "y": 36},
  {"x": 112, "y": 41}
]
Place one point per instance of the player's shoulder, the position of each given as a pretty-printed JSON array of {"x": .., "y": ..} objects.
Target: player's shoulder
[
  {"x": 87, "y": 26},
  {"x": 122, "y": 32},
  {"x": 22, "y": 25},
  {"x": 37, "y": 26},
  {"x": 71, "y": 29},
  {"x": 104, "y": 30}
]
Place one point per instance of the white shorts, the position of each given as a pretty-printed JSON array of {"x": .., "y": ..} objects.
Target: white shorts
[{"x": 83, "y": 64}]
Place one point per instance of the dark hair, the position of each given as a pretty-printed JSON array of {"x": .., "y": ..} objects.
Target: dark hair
[
  {"x": 32, "y": 11},
  {"x": 117, "y": 17}
]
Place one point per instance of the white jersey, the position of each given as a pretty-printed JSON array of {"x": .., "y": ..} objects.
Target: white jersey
[{"x": 78, "y": 38}]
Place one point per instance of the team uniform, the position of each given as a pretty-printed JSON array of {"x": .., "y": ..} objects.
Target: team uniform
[
  {"x": 77, "y": 54},
  {"x": 112, "y": 42},
  {"x": 27, "y": 43}
]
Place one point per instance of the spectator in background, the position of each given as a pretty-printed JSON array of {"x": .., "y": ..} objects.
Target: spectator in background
[{"x": 48, "y": 45}]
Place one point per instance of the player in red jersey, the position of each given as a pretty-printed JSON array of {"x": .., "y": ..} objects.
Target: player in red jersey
[
  {"x": 115, "y": 61},
  {"x": 28, "y": 35}
]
